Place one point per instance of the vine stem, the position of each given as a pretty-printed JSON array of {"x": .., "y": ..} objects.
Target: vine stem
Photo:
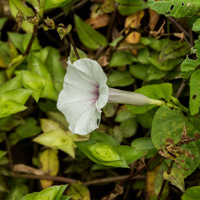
[
  {"x": 70, "y": 180},
  {"x": 164, "y": 181},
  {"x": 73, "y": 45},
  {"x": 9, "y": 152},
  {"x": 31, "y": 40}
]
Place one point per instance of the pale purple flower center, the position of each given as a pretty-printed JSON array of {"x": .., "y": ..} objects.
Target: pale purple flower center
[{"x": 96, "y": 92}]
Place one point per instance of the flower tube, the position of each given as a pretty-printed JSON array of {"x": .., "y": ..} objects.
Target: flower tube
[{"x": 85, "y": 93}]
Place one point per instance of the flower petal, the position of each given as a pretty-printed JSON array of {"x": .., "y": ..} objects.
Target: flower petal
[
  {"x": 84, "y": 94},
  {"x": 92, "y": 69},
  {"x": 88, "y": 122}
]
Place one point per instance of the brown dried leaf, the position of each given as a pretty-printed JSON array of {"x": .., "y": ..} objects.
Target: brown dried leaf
[
  {"x": 99, "y": 21},
  {"x": 133, "y": 21},
  {"x": 103, "y": 61},
  {"x": 160, "y": 31},
  {"x": 117, "y": 191},
  {"x": 27, "y": 169},
  {"x": 154, "y": 17}
]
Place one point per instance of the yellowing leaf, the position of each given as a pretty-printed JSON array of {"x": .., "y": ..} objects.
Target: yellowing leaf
[
  {"x": 50, "y": 125},
  {"x": 78, "y": 191},
  {"x": 58, "y": 139},
  {"x": 154, "y": 181},
  {"x": 133, "y": 21},
  {"x": 176, "y": 178},
  {"x": 49, "y": 164}
]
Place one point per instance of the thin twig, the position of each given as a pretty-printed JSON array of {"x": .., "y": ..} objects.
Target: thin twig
[
  {"x": 180, "y": 89},
  {"x": 70, "y": 180},
  {"x": 164, "y": 181},
  {"x": 111, "y": 24},
  {"x": 112, "y": 179},
  {"x": 197, "y": 137},
  {"x": 31, "y": 40},
  {"x": 73, "y": 45},
  {"x": 78, "y": 5},
  {"x": 140, "y": 171},
  {"x": 9, "y": 152},
  {"x": 45, "y": 177},
  {"x": 179, "y": 26}
]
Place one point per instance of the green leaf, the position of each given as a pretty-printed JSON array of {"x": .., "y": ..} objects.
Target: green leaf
[
  {"x": 30, "y": 196},
  {"x": 38, "y": 5},
  {"x": 191, "y": 193},
  {"x": 175, "y": 8},
  {"x": 176, "y": 178},
  {"x": 26, "y": 25},
  {"x": 9, "y": 107},
  {"x": 8, "y": 123},
  {"x": 121, "y": 58},
  {"x": 173, "y": 50},
  {"x": 146, "y": 119},
  {"x": 194, "y": 102},
  {"x": 3, "y": 78},
  {"x": 130, "y": 154},
  {"x": 78, "y": 191},
  {"x": 17, "y": 192},
  {"x": 103, "y": 150},
  {"x": 64, "y": 197},
  {"x": 60, "y": 192},
  {"x": 28, "y": 129},
  {"x": 38, "y": 67},
  {"x": 143, "y": 56},
  {"x": 129, "y": 127},
  {"x": 166, "y": 65},
  {"x": 120, "y": 79},
  {"x": 12, "y": 84},
  {"x": 72, "y": 54},
  {"x": 55, "y": 68},
  {"x": 5, "y": 51},
  {"x": 42, "y": 87},
  {"x": 167, "y": 123},
  {"x": 12, "y": 101},
  {"x": 2, "y": 153},
  {"x": 188, "y": 160},
  {"x": 139, "y": 71},
  {"x": 18, "y": 95},
  {"x": 154, "y": 74},
  {"x": 123, "y": 114},
  {"x": 128, "y": 7},
  {"x": 50, "y": 193},
  {"x": 191, "y": 61},
  {"x": 2, "y": 22},
  {"x": 14, "y": 63},
  {"x": 109, "y": 109},
  {"x": 88, "y": 36},
  {"x": 196, "y": 26},
  {"x": 145, "y": 146},
  {"x": 3, "y": 187},
  {"x": 104, "y": 138},
  {"x": 159, "y": 91},
  {"x": 107, "y": 154},
  {"x": 55, "y": 4},
  {"x": 167, "y": 129},
  {"x": 21, "y": 41},
  {"x": 57, "y": 139},
  {"x": 28, "y": 12}
]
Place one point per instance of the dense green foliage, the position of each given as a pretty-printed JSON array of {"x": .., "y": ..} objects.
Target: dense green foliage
[{"x": 149, "y": 47}]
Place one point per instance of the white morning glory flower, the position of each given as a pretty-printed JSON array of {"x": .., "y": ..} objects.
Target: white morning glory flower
[
  {"x": 85, "y": 93},
  {"x": 83, "y": 96}
]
